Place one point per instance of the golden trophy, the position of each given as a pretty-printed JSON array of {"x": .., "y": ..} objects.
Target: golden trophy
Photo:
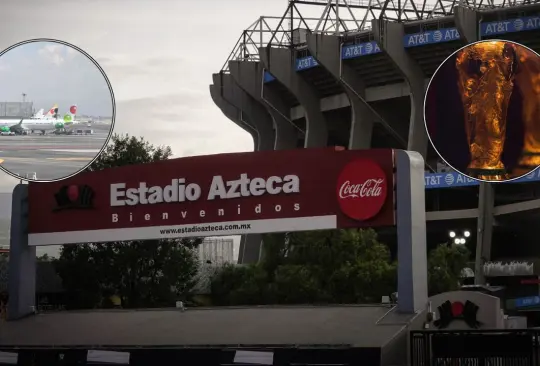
[
  {"x": 485, "y": 80},
  {"x": 528, "y": 82}
]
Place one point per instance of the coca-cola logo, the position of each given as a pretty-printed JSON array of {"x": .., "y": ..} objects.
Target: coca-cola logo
[{"x": 361, "y": 189}]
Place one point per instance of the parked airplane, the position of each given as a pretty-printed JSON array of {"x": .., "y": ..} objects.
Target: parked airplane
[{"x": 44, "y": 123}]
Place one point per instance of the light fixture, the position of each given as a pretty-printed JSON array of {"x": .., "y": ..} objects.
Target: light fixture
[
  {"x": 452, "y": 234},
  {"x": 467, "y": 233},
  {"x": 456, "y": 241},
  {"x": 462, "y": 241}
]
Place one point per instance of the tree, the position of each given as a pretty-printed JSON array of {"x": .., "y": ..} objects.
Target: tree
[
  {"x": 351, "y": 265},
  {"x": 240, "y": 285},
  {"x": 44, "y": 258},
  {"x": 445, "y": 265},
  {"x": 128, "y": 150},
  {"x": 333, "y": 266},
  {"x": 143, "y": 273}
]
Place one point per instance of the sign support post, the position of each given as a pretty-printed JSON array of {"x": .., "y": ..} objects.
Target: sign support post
[
  {"x": 411, "y": 232},
  {"x": 22, "y": 259}
]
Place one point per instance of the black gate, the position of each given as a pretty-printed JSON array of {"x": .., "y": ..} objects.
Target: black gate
[{"x": 474, "y": 347}]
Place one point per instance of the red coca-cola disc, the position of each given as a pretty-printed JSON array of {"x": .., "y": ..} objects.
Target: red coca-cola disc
[{"x": 362, "y": 189}]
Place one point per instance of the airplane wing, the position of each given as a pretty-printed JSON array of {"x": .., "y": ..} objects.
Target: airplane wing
[{"x": 18, "y": 127}]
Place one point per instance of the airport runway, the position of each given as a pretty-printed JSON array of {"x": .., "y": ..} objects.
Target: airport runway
[{"x": 51, "y": 156}]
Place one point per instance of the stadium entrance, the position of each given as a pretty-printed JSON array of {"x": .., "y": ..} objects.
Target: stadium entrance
[{"x": 228, "y": 194}]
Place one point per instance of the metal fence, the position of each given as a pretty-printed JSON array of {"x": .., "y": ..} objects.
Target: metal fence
[{"x": 474, "y": 347}]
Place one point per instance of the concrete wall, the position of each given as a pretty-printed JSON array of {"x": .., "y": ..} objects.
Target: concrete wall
[
  {"x": 396, "y": 351},
  {"x": 489, "y": 312}
]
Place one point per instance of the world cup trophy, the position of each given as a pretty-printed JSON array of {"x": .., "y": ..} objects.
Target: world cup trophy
[
  {"x": 528, "y": 83},
  {"x": 486, "y": 80}
]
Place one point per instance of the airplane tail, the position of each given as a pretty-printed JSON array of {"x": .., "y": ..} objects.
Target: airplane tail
[
  {"x": 39, "y": 114},
  {"x": 53, "y": 111},
  {"x": 69, "y": 117}
]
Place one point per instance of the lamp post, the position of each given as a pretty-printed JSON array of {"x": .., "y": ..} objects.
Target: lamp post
[{"x": 459, "y": 239}]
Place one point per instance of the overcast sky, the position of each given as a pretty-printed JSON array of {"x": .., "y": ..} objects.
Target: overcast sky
[
  {"x": 159, "y": 56},
  {"x": 52, "y": 73}
]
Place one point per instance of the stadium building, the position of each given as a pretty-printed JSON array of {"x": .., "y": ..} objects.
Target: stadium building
[{"x": 355, "y": 75}]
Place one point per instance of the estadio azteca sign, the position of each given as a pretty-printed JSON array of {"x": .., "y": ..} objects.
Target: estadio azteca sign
[
  {"x": 226, "y": 194},
  {"x": 181, "y": 191}
]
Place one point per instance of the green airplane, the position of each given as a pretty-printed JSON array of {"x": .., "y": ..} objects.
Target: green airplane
[
  {"x": 12, "y": 129},
  {"x": 43, "y": 123}
]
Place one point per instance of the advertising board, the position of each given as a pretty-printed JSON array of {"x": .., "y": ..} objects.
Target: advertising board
[{"x": 225, "y": 194}]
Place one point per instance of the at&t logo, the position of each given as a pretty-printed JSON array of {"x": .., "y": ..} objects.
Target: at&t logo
[{"x": 361, "y": 189}]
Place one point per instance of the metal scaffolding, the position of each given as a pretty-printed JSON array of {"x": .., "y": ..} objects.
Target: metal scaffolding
[{"x": 342, "y": 17}]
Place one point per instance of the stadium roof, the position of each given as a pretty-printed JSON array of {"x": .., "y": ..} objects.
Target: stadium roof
[
  {"x": 346, "y": 18},
  {"x": 352, "y": 326}
]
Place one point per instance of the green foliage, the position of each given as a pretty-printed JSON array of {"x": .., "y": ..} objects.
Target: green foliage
[
  {"x": 445, "y": 264},
  {"x": 296, "y": 284},
  {"x": 333, "y": 266},
  {"x": 239, "y": 285},
  {"x": 128, "y": 150},
  {"x": 143, "y": 273},
  {"x": 44, "y": 258}
]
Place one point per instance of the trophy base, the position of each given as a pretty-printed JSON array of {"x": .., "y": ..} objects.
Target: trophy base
[{"x": 488, "y": 174}]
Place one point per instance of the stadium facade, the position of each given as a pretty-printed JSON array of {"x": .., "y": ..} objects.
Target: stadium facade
[{"x": 301, "y": 83}]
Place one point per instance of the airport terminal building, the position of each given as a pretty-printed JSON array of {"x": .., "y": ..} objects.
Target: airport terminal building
[
  {"x": 298, "y": 84},
  {"x": 16, "y": 109}
]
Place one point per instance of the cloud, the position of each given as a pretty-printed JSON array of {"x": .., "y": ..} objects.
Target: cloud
[
  {"x": 4, "y": 66},
  {"x": 175, "y": 120},
  {"x": 158, "y": 70},
  {"x": 53, "y": 53},
  {"x": 56, "y": 74},
  {"x": 71, "y": 53}
]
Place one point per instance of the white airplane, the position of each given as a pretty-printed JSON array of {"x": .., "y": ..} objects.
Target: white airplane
[{"x": 44, "y": 123}]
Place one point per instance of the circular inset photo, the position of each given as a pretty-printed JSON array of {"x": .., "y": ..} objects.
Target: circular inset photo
[
  {"x": 57, "y": 110},
  {"x": 482, "y": 110}
]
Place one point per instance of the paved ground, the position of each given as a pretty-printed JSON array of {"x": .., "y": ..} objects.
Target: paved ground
[
  {"x": 51, "y": 157},
  {"x": 357, "y": 326}
]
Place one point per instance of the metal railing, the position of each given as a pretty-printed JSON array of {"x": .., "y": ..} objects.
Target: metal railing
[
  {"x": 343, "y": 18},
  {"x": 498, "y": 347}
]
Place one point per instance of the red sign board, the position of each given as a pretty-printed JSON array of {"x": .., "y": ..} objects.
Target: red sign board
[{"x": 226, "y": 194}]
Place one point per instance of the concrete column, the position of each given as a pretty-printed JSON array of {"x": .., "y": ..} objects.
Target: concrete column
[
  {"x": 411, "y": 232},
  {"x": 327, "y": 51},
  {"x": 249, "y": 76},
  {"x": 467, "y": 23},
  {"x": 469, "y": 30},
  {"x": 22, "y": 259},
  {"x": 280, "y": 62},
  {"x": 389, "y": 36},
  {"x": 250, "y": 245},
  {"x": 233, "y": 114},
  {"x": 250, "y": 110},
  {"x": 251, "y": 249},
  {"x": 484, "y": 233}
]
